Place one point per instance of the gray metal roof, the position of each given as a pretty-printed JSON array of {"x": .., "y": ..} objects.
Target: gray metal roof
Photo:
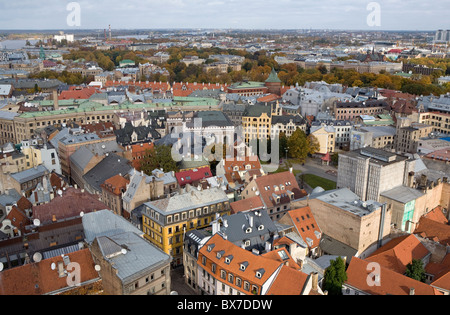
[
  {"x": 190, "y": 199},
  {"x": 131, "y": 255},
  {"x": 105, "y": 223},
  {"x": 30, "y": 174},
  {"x": 402, "y": 194}
]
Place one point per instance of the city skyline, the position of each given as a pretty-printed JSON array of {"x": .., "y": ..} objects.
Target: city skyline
[{"x": 226, "y": 14}]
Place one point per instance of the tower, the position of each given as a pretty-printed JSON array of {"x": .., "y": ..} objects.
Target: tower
[
  {"x": 42, "y": 53},
  {"x": 109, "y": 32},
  {"x": 273, "y": 83}
]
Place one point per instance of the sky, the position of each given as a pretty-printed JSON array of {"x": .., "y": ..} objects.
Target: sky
[{"x": 233, "y": 14}]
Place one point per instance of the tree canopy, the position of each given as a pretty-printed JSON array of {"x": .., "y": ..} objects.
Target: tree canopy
[{"x": 335, "y": 276}]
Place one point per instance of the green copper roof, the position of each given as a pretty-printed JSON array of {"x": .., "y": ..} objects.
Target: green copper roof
[{"x": 273, "y": 77}]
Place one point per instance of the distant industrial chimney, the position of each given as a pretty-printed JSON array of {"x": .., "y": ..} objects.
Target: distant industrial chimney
[
  {"x": 109, "y": 32},
  {"x": 55, "y": 100}
]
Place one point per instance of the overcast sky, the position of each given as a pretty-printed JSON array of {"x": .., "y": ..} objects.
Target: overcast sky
[{"x": 243, "y": 14}]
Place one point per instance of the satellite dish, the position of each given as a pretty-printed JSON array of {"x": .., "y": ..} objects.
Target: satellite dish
[
  {"x": 1, "y": 266},
  {"x": 81, "y": 214},
  {"x": 124, "y": 251},
  {"x": 36, "y": 222},
  {"x": 97, "y": 268},
  {"x": 53, "y": 266},
  {"x": 60, "y": 192},
  {"x": 174, "y": 293},
  {"x": 37, "y": 257}
]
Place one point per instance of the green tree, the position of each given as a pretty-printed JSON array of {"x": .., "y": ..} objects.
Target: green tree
[
  {"x": 298, "y": 146},
  {"x": 159, "y": 157},
  {"x": 415, "y": 270},
  {"x": 334, "y": 277}
]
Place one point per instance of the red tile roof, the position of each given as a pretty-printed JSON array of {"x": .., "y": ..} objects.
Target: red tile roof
[
  {"x": 288, "y": 282},
  {"x": 77, "y": 93},
  {"x": 441, "y": 272},
  {"x": 70, "y": 205},
  {"x": 18, "y": 218},
  {"x": 39, "y": 278},
  {"x": 116, "y": 184},
  {"x": 399, "y": 252},
  {"x": 187, "y": 177},
  {"x": 437, "y": 215},
  {"x": 391, "y": 282},
  {"x": 249, "y": 204},
  {"x": 306, "y": 226},
  {"x": 436, "y": 231},
  {"x": 284, "y": 182}
]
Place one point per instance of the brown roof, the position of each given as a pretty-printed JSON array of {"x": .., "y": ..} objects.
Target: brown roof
[
  {"x": 116, "y": 184},
  {"x": 18, "y": 218},
  {"x": 438, "y": 232},
  {"x": 437, "y": 215},
  {"x": 39, "y": 278},
  {"x": 306, "y": 225},
  {"x": 284, "y": 182},
  {"x": 399, "y": 252},
  {"x": 288, "y": 282},
  {"x": 24, "y": 204},
  {"x": 70, "y": 205},
  {"x": 267, "y": 267},
  {"x": 249, "y": 204},
  {"x": 441, "y": 272},
  {"x": 391, "y": 282}
]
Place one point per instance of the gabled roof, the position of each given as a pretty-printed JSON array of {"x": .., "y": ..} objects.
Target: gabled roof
[
  {"x": 244, "y": 264},
  {"x": 436, "y": 231},
  {"x": 39, "y": 278},
  {"x": 391, "y": 282},
  {"x": 288, "y": 282},
  {"x": 69, "y": 205},
  {"x": 190, "y": 176},
  {"x": 399, "y": 252},
  {"x": 306, "y": 225},
  {"x": 248, "y": 204},
  {"x": 285, "y": 182}
]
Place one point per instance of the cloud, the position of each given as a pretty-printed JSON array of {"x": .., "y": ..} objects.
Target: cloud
[{"x": 273, "y": 14}]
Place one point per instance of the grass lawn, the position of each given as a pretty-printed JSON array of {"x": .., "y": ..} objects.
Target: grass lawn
[{"x": 313, "y": 181}]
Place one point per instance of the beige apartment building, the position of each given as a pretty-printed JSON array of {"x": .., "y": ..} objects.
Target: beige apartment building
[
  {"x": 342, "y": 216},
  {"x": 407, "y": 139},
  {"x": 440, "y": 122}
]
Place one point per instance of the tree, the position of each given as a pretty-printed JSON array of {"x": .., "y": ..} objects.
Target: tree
[
  {"x": 313, "y": 144},
  {"x": 159, "y": 157},
  {"x": 300, "y": 146},
  {"x": 415, "y": 270},
  {"x": 334, "y": 277}
]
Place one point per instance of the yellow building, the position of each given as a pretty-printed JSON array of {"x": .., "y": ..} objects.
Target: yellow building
[
  {"x": 36, "y": 153},
  {"x": 326, "y": 136},
  {"x": 257, "y": 121},
  {"x": 165, "y": 221}
]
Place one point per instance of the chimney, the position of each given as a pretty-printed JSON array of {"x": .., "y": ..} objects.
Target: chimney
[
  {"x": 412, "y": 291},
  {"x": 55, "y": 100},
  {"x": 315, "y": 281},
  {"x": 250, "y": 220}
]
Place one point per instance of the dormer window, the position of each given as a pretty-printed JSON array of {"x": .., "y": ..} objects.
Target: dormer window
[
  {"x": 261, "y": 227},
  {"x": 243, "y": 266},
  {"x": 210, "y": 248},
  {"x": 259, "y": 273},
  {"x": 220, "y": 254},
  {"x": 248, "y": 230},
  {"x": 228, "y": 259}
]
